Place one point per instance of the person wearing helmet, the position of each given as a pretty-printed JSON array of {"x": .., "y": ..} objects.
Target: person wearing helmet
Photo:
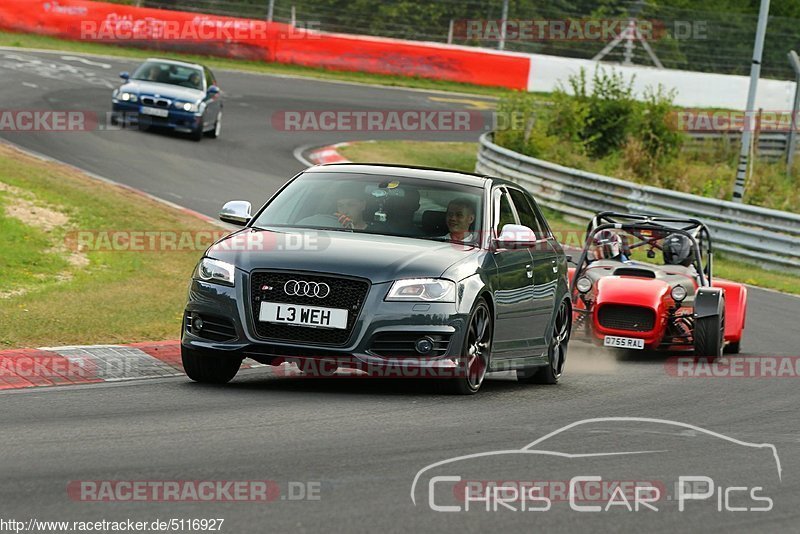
[
  {"x": 677, "y": 250},
  {"x": 607, "y": 245}
]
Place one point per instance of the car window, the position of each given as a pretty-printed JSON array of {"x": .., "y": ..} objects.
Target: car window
[
  {"x": 169, "y": 73},
  {"x": 210, "y": 79},
  {"x": 399, "y": 206},
  {"x": 527, "y": 217},
  {"x": 504, "y": 213}
]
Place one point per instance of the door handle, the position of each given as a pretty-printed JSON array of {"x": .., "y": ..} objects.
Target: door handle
[{"x": 529, "y": 271}]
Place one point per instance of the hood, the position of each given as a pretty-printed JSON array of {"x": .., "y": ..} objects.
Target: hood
[
  {"x": 632, "y": 291},
  {"x": 378, "y": 258},
  {"x": 174, "y": 92}
]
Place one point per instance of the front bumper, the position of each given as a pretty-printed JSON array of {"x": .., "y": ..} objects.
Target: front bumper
[
  {"x": 130, "y": 114},
  {"x": 376, "y": 318}
]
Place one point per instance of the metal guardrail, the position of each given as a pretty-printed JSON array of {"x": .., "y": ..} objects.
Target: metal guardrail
[
  {"x": 768, "y": 145},
  {"x": 769, "y": 238}
]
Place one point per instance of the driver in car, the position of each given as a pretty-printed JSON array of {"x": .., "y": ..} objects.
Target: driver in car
[
  {"x": 350, "y": 206},
  {"x": 608, "y": 246},
  {"x": 194, "y": 80}
]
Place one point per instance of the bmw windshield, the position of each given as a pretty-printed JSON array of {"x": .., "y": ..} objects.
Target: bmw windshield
[
  {"x": 170, "y": 73},
  {"x": 387, "y": 205}
]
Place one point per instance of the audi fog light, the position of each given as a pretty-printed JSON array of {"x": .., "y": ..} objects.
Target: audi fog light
[
  {"x": 678, "y": 293},
  {"x": 216, "y": 271},
  {"x": 583, "y": 284},
  {"x": 423, "y": 289}
]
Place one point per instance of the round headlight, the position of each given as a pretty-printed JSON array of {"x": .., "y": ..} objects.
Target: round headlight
[
  {"x": 678, "y": 293},
  {"x": 187, "y": 106},
  {"x": 126, "y": 96},
  {"x": 584, "y": 284}
]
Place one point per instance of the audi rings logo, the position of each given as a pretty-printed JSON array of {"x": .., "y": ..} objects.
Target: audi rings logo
[{"x": 306, "y": 289}]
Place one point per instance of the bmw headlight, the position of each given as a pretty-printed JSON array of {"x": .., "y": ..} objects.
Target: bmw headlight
[
  {"x": 216, "y": 271},
  {"x": 128, "y": 97},
  {"x": 423, "y": 289},
  {"x": 188, "y": 106}
]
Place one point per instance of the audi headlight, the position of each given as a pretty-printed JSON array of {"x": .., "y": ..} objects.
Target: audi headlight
[
  {"x": 678, "y": 293},
  {"x": 128, "y": 97},
  {"x": 584, "y": 284},
  {"x": 423, "y": 289},
  {"x": 188, "y": 106},
  {"x": 216, "y": 271}
]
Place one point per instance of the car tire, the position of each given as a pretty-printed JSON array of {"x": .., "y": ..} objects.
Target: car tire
[
  {"x": 709, "y": 336},
  {"x": 209, "y": 369},
  {"x": 217, "y": 130},
  {"x": 477, "y": 347},
  {"x": 198, "y": 133},
  {"x": 556, "y": 352}
]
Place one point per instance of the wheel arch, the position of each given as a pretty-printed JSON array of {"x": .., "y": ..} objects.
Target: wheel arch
[{"x": 735, "y": 308}]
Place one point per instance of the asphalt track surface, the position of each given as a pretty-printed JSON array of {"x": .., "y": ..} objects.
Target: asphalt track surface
[{"x": 361, "y": 443}]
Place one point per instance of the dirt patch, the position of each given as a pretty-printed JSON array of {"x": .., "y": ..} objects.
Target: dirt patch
[
  {"x": 21, "y": 205},
  {"x": 36, "y": 216}
]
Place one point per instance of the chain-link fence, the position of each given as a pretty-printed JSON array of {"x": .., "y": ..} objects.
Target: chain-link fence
[{"x": 699, "y": 39}]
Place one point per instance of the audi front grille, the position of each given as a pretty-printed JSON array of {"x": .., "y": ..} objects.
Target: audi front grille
[
  {"x": 344, "y": 293},
  {"x": 621, "y": 317}
]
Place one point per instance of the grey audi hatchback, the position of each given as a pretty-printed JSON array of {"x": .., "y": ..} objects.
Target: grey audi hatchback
[{"x": 385, "y": 270}]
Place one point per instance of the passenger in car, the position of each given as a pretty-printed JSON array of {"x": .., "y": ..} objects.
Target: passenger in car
[{"x": 460, "y": 216}]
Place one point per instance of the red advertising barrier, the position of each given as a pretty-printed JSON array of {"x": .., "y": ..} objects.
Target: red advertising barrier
[{"x": 258, "y": 40}]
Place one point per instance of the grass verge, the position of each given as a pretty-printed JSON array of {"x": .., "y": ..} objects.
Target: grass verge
[
  {"x": 24, "y": 40},
  {"x": 56, "y": 292},
  {"x": 461, "y": 156}
]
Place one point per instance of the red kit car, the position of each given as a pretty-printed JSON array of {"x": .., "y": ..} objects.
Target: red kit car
[{"x": 645, "y": 282}]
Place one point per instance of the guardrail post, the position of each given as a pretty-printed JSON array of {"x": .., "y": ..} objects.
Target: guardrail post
[
  {"x": 501, "y": 44},
  {"x": 794, "y": 61},
  {"x": 755, "y": 72}
]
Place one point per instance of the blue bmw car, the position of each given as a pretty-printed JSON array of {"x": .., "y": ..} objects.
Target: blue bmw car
[{"x": 170, "y": 94}]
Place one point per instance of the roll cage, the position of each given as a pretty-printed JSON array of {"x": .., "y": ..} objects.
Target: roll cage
[{"x": 650, "y": 230}]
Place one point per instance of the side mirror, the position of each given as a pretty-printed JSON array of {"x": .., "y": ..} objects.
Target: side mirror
[
  {"x": 213, "y": 90},
  {"x": 516, "y": 235},
  {"x": 124, "y": 75},
  {"x": 236, "y": 212}
]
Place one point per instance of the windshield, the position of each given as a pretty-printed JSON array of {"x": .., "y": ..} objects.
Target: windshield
[
  {"x": 386, "y": 205},
  {"x": 156, "y": 71},
  {"x": 671, "y": 250}
]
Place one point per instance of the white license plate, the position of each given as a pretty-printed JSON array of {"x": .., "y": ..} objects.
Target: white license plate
[
  {"x": 156, "y": 112},
  {"x": 274, "y": 312},
  {"x": 623, "y": 342}
]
